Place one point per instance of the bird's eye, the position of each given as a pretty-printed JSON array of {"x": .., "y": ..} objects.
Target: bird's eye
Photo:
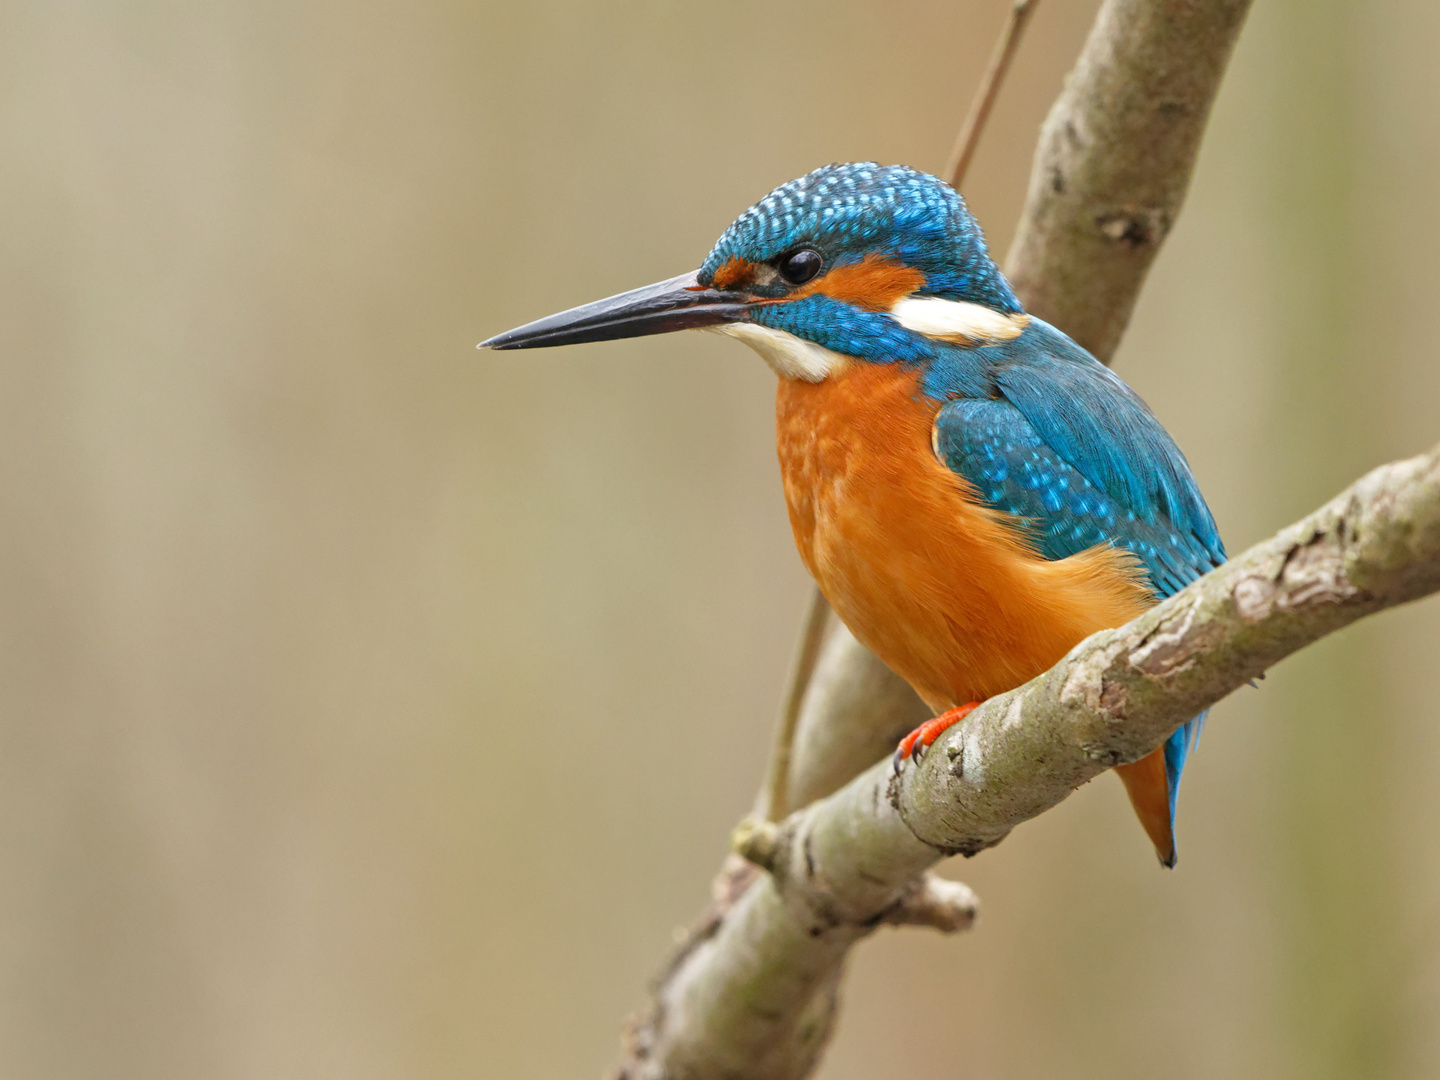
[{"x": 800, "y": 266}]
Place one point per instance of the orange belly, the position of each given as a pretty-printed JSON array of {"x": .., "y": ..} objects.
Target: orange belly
[{"x": 950, "y": 594}]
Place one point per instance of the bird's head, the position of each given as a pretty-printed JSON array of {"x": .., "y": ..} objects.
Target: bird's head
[{"x": 875, "y": 262}]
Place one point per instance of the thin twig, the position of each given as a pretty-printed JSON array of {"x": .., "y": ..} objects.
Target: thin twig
[
  {"x": 807, "y": 650},
  {"x": 1005, "y": 48}
]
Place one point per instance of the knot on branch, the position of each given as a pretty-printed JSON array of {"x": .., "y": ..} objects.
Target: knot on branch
[
  {"x": 936, "y": 902},
  {"x": 1311, "y": 573},
  {"x": 1134, "y": 226},
  {"x": 758, "y": 842}
]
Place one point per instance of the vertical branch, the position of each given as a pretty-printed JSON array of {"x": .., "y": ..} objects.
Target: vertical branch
[
  {"x": 775, "y": 798},
  {"x": 1115, "y": 158},
  {"x": 855, "y": 713}
]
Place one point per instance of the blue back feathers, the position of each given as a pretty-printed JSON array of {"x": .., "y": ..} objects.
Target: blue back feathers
[{"x": 1062, "y": 441}]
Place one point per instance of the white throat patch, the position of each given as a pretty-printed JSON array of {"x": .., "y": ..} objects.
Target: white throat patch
[
  {"x": 957, "y": 321},
  {"x": 791, "y": 357}
]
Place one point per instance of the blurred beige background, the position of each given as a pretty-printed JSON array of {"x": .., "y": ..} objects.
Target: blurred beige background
[{"x": 375, "y": 708}]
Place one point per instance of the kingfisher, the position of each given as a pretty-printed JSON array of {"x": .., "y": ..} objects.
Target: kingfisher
[{"x": 972, "y": 491}]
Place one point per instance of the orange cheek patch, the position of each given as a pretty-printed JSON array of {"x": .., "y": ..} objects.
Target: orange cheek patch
[
  {"x": 734, "y": 272},
  {"x": 873, "y": 283}
]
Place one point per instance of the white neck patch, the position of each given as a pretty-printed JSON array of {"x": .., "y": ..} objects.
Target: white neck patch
[
  {"x": 791, "y": 357},
  {"x": 957, "y": 321}
]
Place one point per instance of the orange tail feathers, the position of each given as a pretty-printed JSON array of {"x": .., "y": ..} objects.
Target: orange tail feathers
[{"x": 1149, "y": 793}]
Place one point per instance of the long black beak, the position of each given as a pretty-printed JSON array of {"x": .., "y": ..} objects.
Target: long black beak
[{"x": 681, "y": 303}]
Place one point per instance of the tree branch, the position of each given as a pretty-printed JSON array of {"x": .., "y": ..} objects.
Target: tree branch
[
  {"x": 745, "y": 1002},
  {"x": 774, "y": 800},
  {"x": 1115, "y": 158},
  {"x": 1121, "y": 693},
  {"x": 855, "y": 712}
]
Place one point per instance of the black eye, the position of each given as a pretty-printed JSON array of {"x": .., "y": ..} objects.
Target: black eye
[{"x": 800, "y": 266}]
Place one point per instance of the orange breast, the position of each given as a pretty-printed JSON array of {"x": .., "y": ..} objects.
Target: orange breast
[{"x": 950, "y": 594}]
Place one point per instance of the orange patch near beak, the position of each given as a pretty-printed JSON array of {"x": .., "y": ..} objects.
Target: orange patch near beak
[
  {"x": 873, "y": 283},
  {"x": 734, "y": 272}
]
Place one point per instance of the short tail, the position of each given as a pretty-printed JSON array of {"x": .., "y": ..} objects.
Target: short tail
[{"x": 1153, "y": 784}]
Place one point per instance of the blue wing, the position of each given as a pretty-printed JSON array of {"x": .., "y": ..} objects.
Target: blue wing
[{"x": 1067, "y": 445}]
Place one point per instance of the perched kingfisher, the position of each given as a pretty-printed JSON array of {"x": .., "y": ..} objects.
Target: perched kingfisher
[{"x": 973, "y": 492}]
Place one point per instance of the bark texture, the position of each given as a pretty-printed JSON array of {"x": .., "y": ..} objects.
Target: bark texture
[{"x": 1115, "y": 158}]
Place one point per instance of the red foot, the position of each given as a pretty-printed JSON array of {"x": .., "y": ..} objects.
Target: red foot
[{"x": 918, "y": 741}]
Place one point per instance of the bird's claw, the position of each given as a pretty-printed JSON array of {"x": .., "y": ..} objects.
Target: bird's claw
[{"x": 915, "y": 744}]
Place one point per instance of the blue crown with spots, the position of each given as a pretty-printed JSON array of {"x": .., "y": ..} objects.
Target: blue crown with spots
[{"x": 852, "y": 210}]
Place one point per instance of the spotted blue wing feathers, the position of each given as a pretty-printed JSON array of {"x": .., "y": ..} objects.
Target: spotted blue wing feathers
[
  {"x": 1065, "y": 445},
  {"x": 1013, "y": 469}
]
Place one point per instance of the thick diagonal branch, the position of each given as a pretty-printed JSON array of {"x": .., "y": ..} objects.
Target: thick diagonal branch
[{"x": 856, "y": 858}]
